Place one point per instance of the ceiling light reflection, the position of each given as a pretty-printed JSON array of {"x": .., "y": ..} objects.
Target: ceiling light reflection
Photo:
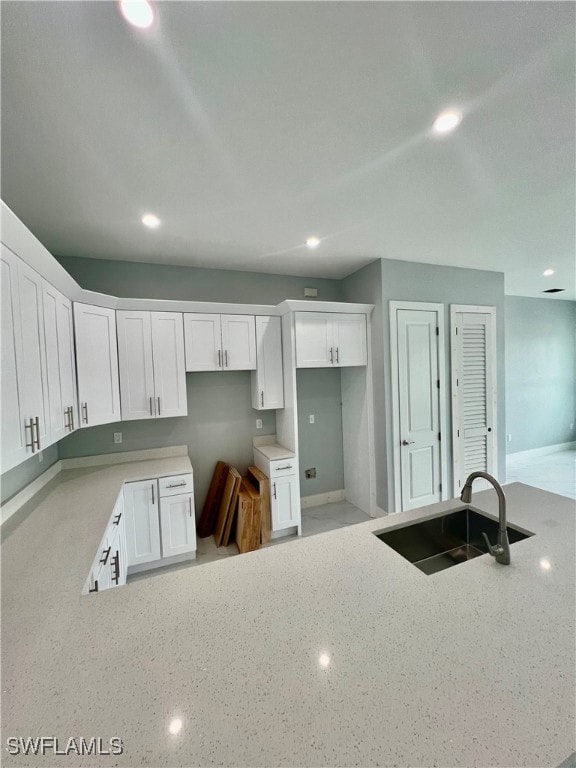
[
  {"x": 548, "y": 272},
  {"x": 313, "y": 242},
  {"x": 150, "y": 220},
  {"x": 139, "y": 13},
  {"x": 545, "y": 564},
  {"x": 324, "y": 660},
  {"x": 175, "y": 726},
  {"x": 447, "y": 121}
]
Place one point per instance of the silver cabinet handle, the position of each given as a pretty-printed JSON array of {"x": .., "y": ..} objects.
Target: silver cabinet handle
[
  {"x": 408, "y": 442},
  {"x": 190, "y": 503},
  {"x": 332, "y": 355},
  {"x": 288, "y": 466},
  {"x": 176, "y": 485},
  {"x": 262, "y": 398},
  {"x": 219, "y": 358},
  {"x": 85, "y": 413},
  {"x": 31, "y": 428},
  {"x": 226, "y": 358},
  {"x": 37, "y": 425},
  {"x": 159, "y": 411},
  {"x": 337, "y": 354},
  {"x": 153, "y": 502},
  {"x": 151, "y": 399},
  {"x": 67, "y": 418},
  {"x": 71, "y": 418},
  {"x": 274, "y": 489}
]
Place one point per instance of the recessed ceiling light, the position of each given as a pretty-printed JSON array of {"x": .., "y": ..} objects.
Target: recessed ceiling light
[
  {"x": 324, "y": 660},
  {"x": 313, "y": 242},
  {"x": 447, "y": 121},
  {"x": 139, "y": 13},
  {"x": 548, "y": 272},
  {"x": 149, "y": 220}
]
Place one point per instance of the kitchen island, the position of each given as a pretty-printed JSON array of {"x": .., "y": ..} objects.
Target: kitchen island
[{"x": 331, "y": 650}]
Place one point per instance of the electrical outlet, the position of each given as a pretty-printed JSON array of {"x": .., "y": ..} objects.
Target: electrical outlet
[
  {"x": 117, "y": 437},
  {"x": 310, "y": 473},
  {"x": 311, "y": 417},
  {"x": 258, "y": 423},
  {"x": 509, "y": 438}
]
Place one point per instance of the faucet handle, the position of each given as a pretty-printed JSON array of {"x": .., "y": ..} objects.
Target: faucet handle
[{"x": 497, "y": 549}]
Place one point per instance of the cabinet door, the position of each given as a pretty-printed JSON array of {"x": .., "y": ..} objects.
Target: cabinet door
[
  {"x": 177, "y": 524},
  {"x": 267, "y": 379},
  {"x": 33, "y": 384},
  {"x": 13, "y": 434},
  {"x": 168, "y": 362},
  {"x": 350, "y": 339},
  {"x": 285, "y": 502},
  {"x": 142, "y": 522},
  {"x": 314, "y": 340},
  {"x": 97, "y": 364},
  {"x": 135, "y": 365},
  {"x": 239, "y": 342},
  {"x": 59, "y": 361},
  {"x": 203, "y": 342}
]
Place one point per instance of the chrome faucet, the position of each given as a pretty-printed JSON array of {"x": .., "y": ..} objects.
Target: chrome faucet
[{"x": 501, "y": 550}]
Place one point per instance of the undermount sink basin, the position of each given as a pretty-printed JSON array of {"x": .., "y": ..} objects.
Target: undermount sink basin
[{"x": 441, "y": 542}]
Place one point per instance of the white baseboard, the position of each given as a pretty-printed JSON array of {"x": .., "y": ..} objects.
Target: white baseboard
[
  {"x": 322, "y": 498},
  {"x": 124, "y": 457},
  {"x": 544, "y": 451},
  {"x": 17, "y": 501}
]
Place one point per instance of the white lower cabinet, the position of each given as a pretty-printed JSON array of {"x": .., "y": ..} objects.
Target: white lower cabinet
[
  {"x": 110, "y": 564},
  {"x": 177, "y": 524},
  {"x": 285, "y": 502},
  {"x": 142, "y": 521}
]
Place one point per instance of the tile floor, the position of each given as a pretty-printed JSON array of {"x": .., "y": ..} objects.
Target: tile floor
[{"x": 554, "y": 472}]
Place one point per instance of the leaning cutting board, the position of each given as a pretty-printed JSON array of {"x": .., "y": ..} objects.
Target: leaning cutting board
[
  {"x": 248, "y": 520},
  {"x": 227, "y": 506},
  {"x": 262, "y": 484},
  {"x": 209, "y": 514}
]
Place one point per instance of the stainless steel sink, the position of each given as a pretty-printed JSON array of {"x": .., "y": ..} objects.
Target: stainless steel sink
[{"x": 441, "y": 542}]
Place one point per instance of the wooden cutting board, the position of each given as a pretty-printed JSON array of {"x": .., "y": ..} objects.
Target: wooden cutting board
[
  {"x": 248, "y": 521},
  {"x": 262, "y": 484},
  {"x": 209, "y": 514},
  {"x": 227, "y": 506}
]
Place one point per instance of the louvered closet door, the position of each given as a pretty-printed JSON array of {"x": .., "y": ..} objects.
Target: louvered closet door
[{"x": 473, "y": 393}]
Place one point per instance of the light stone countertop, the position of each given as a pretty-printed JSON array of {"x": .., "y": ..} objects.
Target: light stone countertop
[
  {"x": 275, "y": 451},
  {"x": 327, "y": 650}
]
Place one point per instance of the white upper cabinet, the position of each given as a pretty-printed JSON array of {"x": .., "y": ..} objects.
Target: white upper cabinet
[
  {"x": 219, "y": 342},
  {"x": 267, "y": 379},
  {"x": 97, "y": 364},
  {"x": 151, "y": 361},
  {"x": 59, "y": 335},
  {"x": 328, "y": 339}
]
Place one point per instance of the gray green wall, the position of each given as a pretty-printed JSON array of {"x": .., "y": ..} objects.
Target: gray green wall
[
  {"x": 412, "y": 281},
  {"x": 19, "y": 477},
  {"x": 540, "y": 372},
  {"x": 320, "y": 444},
  {"x": 136, "y": 280}
]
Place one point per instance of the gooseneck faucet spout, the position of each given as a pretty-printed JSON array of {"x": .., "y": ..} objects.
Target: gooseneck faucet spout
[{"x": 501, "y": 550}]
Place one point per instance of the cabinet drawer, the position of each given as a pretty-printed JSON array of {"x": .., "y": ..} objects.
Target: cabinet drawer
[
  {"x": 176, "y": 484},
  {"x": 282, "y": 467}
]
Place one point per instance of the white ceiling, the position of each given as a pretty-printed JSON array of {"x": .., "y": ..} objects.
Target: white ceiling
[{"x": 247, "y": 127}]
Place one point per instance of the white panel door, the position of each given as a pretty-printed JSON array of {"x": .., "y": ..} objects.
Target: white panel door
[
  {"x": 142, "y": 522},
  {"x": 97, "y": 364},
  {"x": 474, "y": 411},
  {"x": 267, "y": 379},
  {"x": 168, "y": 362},
  {"x": 12, "y": 417},
  {"x": 285, "y": 502},
  {"x": 33, "y": 385},
  {"x": 135, "y": 365},
  {"x": 58, "y": 334},
  {"x": 419, "y": 407},
  {"x": 314, "y": 340},
  {"x": 238, "y": 342},
  {"x": 177, "y": 524},
  {"x": 350, "y": 340},
  {"x": 203, "y": 342}
]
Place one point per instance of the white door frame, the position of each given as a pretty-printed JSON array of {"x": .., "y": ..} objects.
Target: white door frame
[
  {"x": 481, "y": 310},
  {"x": 427, "y": 307}
]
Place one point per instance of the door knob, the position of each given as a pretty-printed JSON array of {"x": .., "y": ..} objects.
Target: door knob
[{"x": 408, "y": 442}]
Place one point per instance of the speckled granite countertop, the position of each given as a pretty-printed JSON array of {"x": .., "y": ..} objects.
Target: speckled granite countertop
[{"x": 328, "y": 650}]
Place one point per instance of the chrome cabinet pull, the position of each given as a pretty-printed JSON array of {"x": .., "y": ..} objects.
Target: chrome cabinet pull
[
  {"x": 116, "y": 520},
  {"x": 190, "y": 503},
  {"x": 176, "y": 485},
  {"x": 332, "y": 355},
  {"x": 37, "y": 426},
  {"x": 274, "y": 489},
  {"x": 226, "y": 357},
  {"x": 85, "y": 413},
  {"x": 159, "y": 411},
  {"x": 71, "y": 418},
  {"x": 219, "y": 358},
  {"x": 151, "y": 399},
  {"x": 288, "y": 466},
  {"x": 105, "y": 555},
  {"x": 153, "y": 502},
  {"x": 115, "y": 563},
  {"x": 67, "y": 418},
  {"x": 31, "y": 428},
  {"x": 262, "y": 398},
  {"x": 95, "y": 586},
  {"x": 337, "y": 354}
]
